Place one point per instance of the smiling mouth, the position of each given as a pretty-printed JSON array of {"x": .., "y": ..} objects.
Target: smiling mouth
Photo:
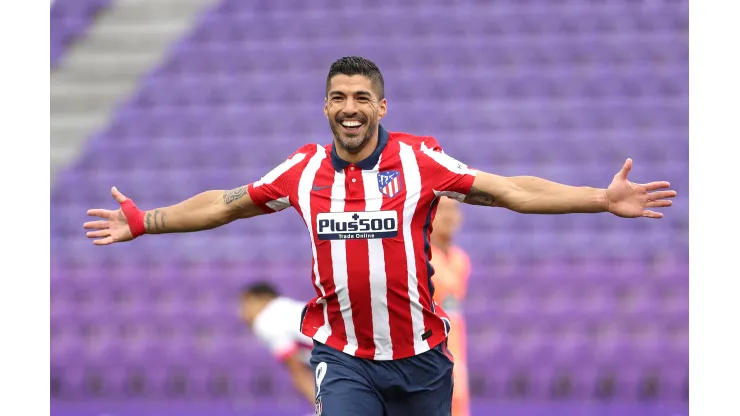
[{"x": 351, "y": 126}]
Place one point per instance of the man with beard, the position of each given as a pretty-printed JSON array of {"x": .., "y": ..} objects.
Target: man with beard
[{"x": 368, "y": 200}]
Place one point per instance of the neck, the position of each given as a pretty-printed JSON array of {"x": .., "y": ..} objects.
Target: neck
[
  {"x": 442, "y": 244},
  {"x": 363, "y": 154}
]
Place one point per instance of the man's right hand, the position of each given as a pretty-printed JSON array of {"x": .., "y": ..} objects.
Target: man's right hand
[{"x": 113, "y": 227}]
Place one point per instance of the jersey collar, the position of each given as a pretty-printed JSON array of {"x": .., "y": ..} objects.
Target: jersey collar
[{"x": 369, "y": 162}]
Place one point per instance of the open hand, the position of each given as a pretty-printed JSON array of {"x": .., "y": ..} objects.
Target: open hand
[
  {"x": 630, "y": 200},
  {"x": 113, "y": 228}
]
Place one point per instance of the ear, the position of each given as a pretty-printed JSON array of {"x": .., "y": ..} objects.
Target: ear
[
  {"x": 326, "y": 107},
  {"x": 382, "y": 108}
]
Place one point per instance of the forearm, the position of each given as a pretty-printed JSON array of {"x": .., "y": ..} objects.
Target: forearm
[
  {"x": 540, "y": 196},
  {"x": 304, "y": 382},
  {"x": 204, "y": 211}
]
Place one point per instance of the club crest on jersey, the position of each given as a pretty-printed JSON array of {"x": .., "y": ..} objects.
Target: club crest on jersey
[
  {"x": 356, "y": 225},
  {"x": 389, "y": 183}
]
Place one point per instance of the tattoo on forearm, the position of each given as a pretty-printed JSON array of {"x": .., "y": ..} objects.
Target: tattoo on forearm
[
  {"x": 156, "y": 227},
  {"x": 154, "y": 221},
  {"x": 234, "y": 194},
  {"x": 478, "y": 197}
]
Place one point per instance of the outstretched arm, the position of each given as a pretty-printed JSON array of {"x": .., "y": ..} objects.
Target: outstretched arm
[
  {"x": 204, "y": 211},
  {"x": 532, "y": 195}
]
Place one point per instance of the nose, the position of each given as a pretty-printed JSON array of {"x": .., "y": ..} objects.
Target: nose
[{"x": 350, "y": 107}]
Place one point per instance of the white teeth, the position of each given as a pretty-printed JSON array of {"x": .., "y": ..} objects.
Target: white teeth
[{"x": 351, "y": 123}]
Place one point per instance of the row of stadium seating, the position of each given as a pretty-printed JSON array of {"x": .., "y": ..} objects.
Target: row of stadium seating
[{"x": 560, "y": 89}]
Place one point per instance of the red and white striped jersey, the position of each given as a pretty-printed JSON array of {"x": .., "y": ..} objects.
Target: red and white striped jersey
[{"x": 369, "y": 224}]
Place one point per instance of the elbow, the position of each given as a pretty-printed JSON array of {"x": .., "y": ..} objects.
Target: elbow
[
  {"x": 221, "y": 214},
  {"x": 518, "y": 201}
]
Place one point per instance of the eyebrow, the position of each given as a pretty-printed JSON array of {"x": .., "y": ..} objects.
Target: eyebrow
[{"x": 360, "y": 92}]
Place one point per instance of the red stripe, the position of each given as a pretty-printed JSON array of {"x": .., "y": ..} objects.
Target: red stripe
[
  {"x": 321, "y": 202},
  {"x": 417, "y": 230},
  {"x": 396, "y": 268},
  {"x": 358, "y": 271},
  {"x": 312, "y": 320}
]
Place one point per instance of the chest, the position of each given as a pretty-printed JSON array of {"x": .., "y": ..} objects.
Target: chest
[
  {"x": 360, "y": 204},
  {"x": 357, "y": 190}
]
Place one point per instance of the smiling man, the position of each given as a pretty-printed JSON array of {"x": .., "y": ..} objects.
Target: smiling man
[{"x": 368, "y": 201}]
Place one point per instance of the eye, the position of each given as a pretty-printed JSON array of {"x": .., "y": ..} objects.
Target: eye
[{"x": 363, "y": 99}]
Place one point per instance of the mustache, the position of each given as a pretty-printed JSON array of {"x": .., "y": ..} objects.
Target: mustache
[{"x": 358, "y": 117}]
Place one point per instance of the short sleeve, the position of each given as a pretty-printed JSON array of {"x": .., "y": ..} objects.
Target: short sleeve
[
  {"x": 446, "y": 175},
  {"x": 272, "y": 192},
  {"x": 276, "y": 336}
]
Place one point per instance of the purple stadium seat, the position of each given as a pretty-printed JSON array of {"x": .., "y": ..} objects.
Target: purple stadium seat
[{"x": 571, "y": 306}]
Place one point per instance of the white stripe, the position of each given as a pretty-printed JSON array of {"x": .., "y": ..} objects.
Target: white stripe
[
  {"x": 339, "y": 265},
  {"x": 304, "y": 201},
  {"x": 378, "y": 278},
  {"x": 450, "y": 194},
  {"x": 450, "y": 163},
  {"x": 279, "y": 204},
  {"x": 280, "y": 169},
  {"x": 413, "y": 192}
]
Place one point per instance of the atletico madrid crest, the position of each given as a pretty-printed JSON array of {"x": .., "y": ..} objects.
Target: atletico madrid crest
[{"x": 389, "y": 183}]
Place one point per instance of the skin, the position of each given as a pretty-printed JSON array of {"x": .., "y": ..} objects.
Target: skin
[
  {"x": 446, "y": 223},
  {"x": 354, "y": 98},
  {"x": 300, "y": 374}
]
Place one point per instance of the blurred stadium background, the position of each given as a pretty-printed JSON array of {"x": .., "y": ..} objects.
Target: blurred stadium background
[{"x": 569, "y": 315}]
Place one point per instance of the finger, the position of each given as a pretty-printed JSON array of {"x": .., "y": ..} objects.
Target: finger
[
  {"x": 104, "y": 242},
  {"x": 660, "y": 203},
  {"x": 102, "y": 213},
  {"x": 117, "y": 195},
  {"x": 98, "y": 233},
  {"x": 651, "y": 214},
  {"x": 654, "y": 196},
  {"x": 625, "y": 169},
  {"x": 96, "y": 225},
  {"x": 656, "y": 185}
]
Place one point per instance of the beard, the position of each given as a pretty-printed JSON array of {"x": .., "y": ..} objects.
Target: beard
[{"x": 353, "y": 142}]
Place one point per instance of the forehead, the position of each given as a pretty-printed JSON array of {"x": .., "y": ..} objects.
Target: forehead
[{"x": 350, "y": 84}]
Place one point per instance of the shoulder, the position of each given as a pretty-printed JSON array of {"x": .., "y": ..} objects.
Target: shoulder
[
  {"x": 418, "y": 143},
  {"x": 294, "y": 164},
  {"x": 308, "y": 150}
]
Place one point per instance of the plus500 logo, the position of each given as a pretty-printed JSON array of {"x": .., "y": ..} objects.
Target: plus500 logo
[{"x": 356, "y": 225}]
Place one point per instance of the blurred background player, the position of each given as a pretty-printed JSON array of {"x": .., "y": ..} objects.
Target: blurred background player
[
  {"x": 451, "y": 270},
  {"x": 273, "y": 318}
]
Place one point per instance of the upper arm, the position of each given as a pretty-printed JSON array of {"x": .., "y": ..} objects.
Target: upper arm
[
  {"x": 447, "y": 176},
  {"x": 455, "y": 179},
  {"x": 238, "y": 202},
  {"x": 491, "y": 190},
  {"x": 293, "y": 360},
  {"x": 272, "y": 192}
]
